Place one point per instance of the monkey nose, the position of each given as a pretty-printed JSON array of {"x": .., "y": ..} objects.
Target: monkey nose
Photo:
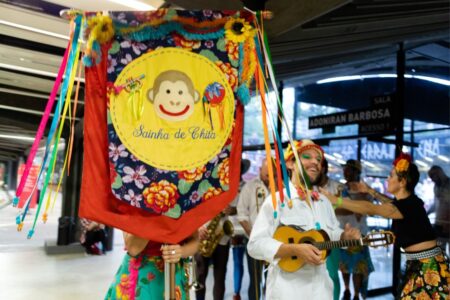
[
  {"x": 177, "y": 103},
  {"x": 172, "y": 103}
]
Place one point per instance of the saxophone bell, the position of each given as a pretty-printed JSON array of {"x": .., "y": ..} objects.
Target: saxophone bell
[{"x": 216, "y": 230}]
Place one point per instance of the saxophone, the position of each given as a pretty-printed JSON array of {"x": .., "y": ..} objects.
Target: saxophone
[{"x": 216, "y": 230}]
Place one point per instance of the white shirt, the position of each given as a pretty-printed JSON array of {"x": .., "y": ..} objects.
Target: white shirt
[
  {"x": 309, "y": 282},
  {"x": 333, "y": 186},
  {"x": 251, "y": 200},
  {"x": 238, "y": 229}
]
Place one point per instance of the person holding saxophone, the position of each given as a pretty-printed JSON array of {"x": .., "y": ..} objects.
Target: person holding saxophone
[{"x": 214, "y": 249}]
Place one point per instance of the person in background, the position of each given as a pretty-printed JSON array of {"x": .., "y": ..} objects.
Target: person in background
[
  {"x": 218, "y": 259},
  {"x": 355, "y": 262},
  {"x": 441, "y": 205},
  {"x": 93, "y": 234},
  {"x": 239, "y": 239},
  {"x": 308, "y": 213},
  {"x": 427, "y": 275},
  {"x": 141, "y": 274},
  {"x": 333, "y": 259},
  {"x": 251, "y": 199}
]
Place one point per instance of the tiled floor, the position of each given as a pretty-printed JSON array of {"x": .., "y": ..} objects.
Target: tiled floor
[{"x": 26, "y": 272}]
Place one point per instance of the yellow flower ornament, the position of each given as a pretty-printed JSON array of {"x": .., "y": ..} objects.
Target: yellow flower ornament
[
  {"x": 238, "y": 30},
  {"x": 402, "y": 162},
  {"x": 402, "y": 165}
]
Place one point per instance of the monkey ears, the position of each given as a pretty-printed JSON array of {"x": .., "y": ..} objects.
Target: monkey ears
[{"x": 150, "y": 95}]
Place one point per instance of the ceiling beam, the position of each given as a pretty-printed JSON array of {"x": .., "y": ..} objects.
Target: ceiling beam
[{"x": 289, "y": 15}]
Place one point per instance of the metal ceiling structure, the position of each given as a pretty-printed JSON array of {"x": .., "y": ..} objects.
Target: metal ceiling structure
[{"x": 310, "y": 40}]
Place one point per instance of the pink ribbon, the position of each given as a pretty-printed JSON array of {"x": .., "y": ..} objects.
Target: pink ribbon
[{"x": 42, "y": 125}]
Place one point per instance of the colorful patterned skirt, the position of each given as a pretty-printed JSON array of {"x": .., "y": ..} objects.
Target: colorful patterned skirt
[
  {"x": 426, "y": 278},
  {"x": 142, "y": 278}
]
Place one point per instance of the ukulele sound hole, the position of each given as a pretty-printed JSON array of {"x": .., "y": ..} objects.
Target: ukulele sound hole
[{"x": 291, "y": 241}]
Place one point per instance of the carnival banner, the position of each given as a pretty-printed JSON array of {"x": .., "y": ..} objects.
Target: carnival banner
[{"x": 163, "y": 117}]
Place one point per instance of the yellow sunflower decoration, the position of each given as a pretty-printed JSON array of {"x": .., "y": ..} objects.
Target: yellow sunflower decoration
[{"x": 238, "y": 30}]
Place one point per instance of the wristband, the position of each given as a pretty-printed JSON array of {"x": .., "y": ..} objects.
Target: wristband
[{"x": 338, "y": 202}]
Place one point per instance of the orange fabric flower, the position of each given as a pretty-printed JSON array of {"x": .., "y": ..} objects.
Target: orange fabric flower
[
  {"x": 432, "y": 277},
  {"x": 423, "y": 296},
  {"x": 211, "y": 192},
  {"x": 408, "y": 287},
  {"x": 159, "y": 264},
  {"x": 178, "y": 294},
  {"x": 419, "y": 282},
  {"x": 402, "y": 165},
  {"x": 192, "y": 175},
  {"x": 186, "y": 44},
  {"x": 436, "y": 296},
  {"x": 232, "y": 50},
  {"x": 444, "y": 270},
  {"x": 230, "y": 72},
  {"x": 224, "y": 172},
  {"x": 439, "y": 258},
  {"x": 161, "y": 196},
  {"x": 122, "y": 289},
  {"x": 144, "y": 16}
]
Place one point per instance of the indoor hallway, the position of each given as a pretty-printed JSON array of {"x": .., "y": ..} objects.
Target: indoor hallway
[{"x": 27, "y": 272}]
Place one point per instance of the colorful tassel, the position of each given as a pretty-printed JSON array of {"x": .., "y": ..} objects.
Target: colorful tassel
[{"x": 243, "y": 94}]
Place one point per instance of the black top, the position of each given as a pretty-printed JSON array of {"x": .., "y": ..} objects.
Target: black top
[{"x": 415, "y": 227}]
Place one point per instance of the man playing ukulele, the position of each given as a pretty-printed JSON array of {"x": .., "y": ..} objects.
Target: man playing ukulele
[{"x": 308, "y": 210}]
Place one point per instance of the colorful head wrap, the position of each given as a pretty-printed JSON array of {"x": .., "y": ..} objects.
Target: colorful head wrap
[
  {"x": 301, "y": 146},
  {"x": 402, "y": 162}
]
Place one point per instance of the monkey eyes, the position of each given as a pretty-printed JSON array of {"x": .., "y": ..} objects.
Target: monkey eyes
[
  {"x": 167, "y": 91},
  {"x": 180, "y": 92}
]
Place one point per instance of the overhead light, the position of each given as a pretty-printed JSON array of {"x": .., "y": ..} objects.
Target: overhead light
[
  {"x": 31, "y": 111},
  {"x": 329, "y": 157},
  {"x": 420, "y": 163},
  {"x": 442, "y": 157},
  {"x": 28, "y": 28},
  {"x": 361, "y": 77},
  {"x": 432, "y": 79},
  {"x": 134, "y": 4},
  {"x": 339, "y": 78},
  {"x": 32, "y": 71},
  {"x": 17, "y": 137},
  {"x": 368, "y": 163},
  {"x": 428, "y": 158},
  {"x": 343, "y": 181},
  {"x": 337, "y": 155},
  {"x": 340, "y": 161}
]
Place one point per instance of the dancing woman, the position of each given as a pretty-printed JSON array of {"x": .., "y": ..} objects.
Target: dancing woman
[{"x": 427, "y": 275}]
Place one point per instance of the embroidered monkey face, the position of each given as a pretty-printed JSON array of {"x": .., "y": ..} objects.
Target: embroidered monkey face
[{"x": 173, "y": 96}]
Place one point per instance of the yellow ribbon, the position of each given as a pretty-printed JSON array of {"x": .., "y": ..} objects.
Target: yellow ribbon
[{"x": 58, "y": 136}]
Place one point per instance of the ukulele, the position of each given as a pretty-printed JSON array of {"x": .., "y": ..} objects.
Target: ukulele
[{"x": 292, "y": 234}]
